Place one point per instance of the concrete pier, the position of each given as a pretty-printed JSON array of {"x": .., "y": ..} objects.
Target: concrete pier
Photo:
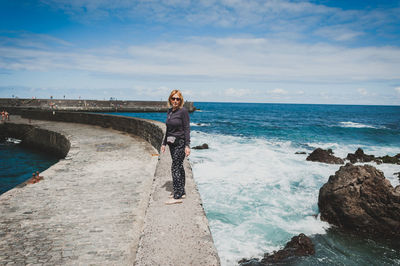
[
  {"x": 95, "y": 206},
  {"x": 13, "y": 105}
]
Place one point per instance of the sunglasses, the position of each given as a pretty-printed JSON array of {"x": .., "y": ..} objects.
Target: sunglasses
[{"x": 175, "y": 99}]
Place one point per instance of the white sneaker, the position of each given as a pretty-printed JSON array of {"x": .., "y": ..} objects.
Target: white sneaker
[{"x": 173, "y": 201}]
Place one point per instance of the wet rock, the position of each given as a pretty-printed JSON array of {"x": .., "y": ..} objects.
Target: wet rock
[
  {"x": 324, "y": 156},
  {"x": 390, "y": 159},
  {"x": 201, "y": 147},
  {"x": 300, "y": 152},
  {"x": 359, "y": 156},
  {"x": 249, "y": 262},
  {"x": 300, "y": 245},
  {"x": 361, "y": 200}
]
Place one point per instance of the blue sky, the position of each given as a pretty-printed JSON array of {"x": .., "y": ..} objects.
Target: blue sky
[{"x": 330, "y": 52}]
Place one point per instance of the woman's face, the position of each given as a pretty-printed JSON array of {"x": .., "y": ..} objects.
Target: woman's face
[{"x": 175, "y": 100}]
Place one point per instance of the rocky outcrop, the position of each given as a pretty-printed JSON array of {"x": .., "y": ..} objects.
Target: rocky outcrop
[
  {"x": 324, "y": 156},
  {"x": 300, "y": 152},
  {"x": 360, "y": 199},
  {"x": 359, "y": 156},
  {"x": 201, "y": 147},
  {"x": 300, "y": 245},
  {"x": 390, "y": 159}
]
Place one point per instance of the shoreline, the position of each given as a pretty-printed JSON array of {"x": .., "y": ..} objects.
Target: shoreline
[{"x": 18, "y": 210}]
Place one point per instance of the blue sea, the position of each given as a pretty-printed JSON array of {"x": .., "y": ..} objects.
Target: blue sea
[
  {"x": 257, "y": 193},
  {"x": 18, "y": 163}
]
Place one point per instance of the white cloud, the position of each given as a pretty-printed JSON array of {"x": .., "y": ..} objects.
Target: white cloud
[
  {"x": 292, "y": 19},
  {"x": 362, "y": 91},
  {"x": 277, "y": 91},
  {"x": 249, "y": 59},
  {"x": 232, "y": 92},
  {"x": 338, "y": 33}
]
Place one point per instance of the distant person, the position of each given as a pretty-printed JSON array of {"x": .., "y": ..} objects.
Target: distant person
[
  {"x": 3, "y": 115},
  {"x": 6, "y": 116},
  {"x": 38, "y": 176},
  {"x": 177, "y": 138}
]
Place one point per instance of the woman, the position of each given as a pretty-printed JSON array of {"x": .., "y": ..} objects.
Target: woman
[{"x": 178, "y": 140}]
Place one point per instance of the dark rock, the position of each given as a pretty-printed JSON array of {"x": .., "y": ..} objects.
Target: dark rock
[
  {"x": 324, "y": 156},
  {"x": 201, "y": 147},
  {"x": 361, "y": 200},
  {"x": 390, "y": 159},
  {"x": 300, "y": 245},
  {"x": 300, "y": 152},
  {"x": 250, "y": 262},
  {"x": 359, "y": 156}
]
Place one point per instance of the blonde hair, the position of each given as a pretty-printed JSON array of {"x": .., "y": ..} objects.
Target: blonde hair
[{"x": 180, "y": 96}]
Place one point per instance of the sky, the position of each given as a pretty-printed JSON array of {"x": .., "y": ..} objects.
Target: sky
[{"x": 320, "y": 52}]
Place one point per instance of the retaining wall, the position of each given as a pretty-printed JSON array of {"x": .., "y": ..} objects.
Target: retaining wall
[
  {"x": 151, "y": 131},
  {"x": 37, "y": 138},
  {"x": 13, "y": 105}
]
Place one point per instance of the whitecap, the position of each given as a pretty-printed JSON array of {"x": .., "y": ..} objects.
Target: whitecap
[
  {"x": 355, "y": 125},
  {"x": 199, "y": 124}
]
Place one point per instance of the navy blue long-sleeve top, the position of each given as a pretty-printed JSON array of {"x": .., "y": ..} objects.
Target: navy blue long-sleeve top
[{"x": 178, "y": 125}]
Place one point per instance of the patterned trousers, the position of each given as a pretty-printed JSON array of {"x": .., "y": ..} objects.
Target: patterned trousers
[{"x": 177, "y": 150}]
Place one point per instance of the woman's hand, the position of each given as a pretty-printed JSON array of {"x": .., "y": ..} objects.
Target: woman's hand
[
  {"x": 162, "y": 148},
  {"x": 187, "y": 151}
]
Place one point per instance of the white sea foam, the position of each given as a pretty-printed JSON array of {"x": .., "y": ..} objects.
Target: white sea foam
[
  {"x": 258, "y": 194},
  {"x": 199, "y": 124},
  {"x": 355, "y": 125},
  {"x": 12, "y": 140}
]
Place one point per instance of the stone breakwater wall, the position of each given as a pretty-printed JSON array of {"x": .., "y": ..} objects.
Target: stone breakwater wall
[
  {"x": 151, "y": 131},
  {"x": 14, "y": 105},
  {"x": 37, "y": 138}
]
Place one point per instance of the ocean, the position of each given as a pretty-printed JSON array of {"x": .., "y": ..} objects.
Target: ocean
[
  {"x": 18, "y": 163},
  {"x": 257, "y": 193}
]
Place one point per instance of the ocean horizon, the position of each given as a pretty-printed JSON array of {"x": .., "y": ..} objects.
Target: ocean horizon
[{"x": 257, "y": 193}]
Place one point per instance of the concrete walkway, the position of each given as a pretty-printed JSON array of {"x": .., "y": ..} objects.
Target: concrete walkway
[
  {"x": 90, "y": 207},
  {"x": 175, "y": 235},
  {"x": 104, "y": 205}
]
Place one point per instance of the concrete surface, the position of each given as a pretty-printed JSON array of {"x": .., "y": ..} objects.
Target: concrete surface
[
  {"x": 104, "y": 205},
  {"x": 89, "y": 208},
  {"x": 175, "y": 234}
]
